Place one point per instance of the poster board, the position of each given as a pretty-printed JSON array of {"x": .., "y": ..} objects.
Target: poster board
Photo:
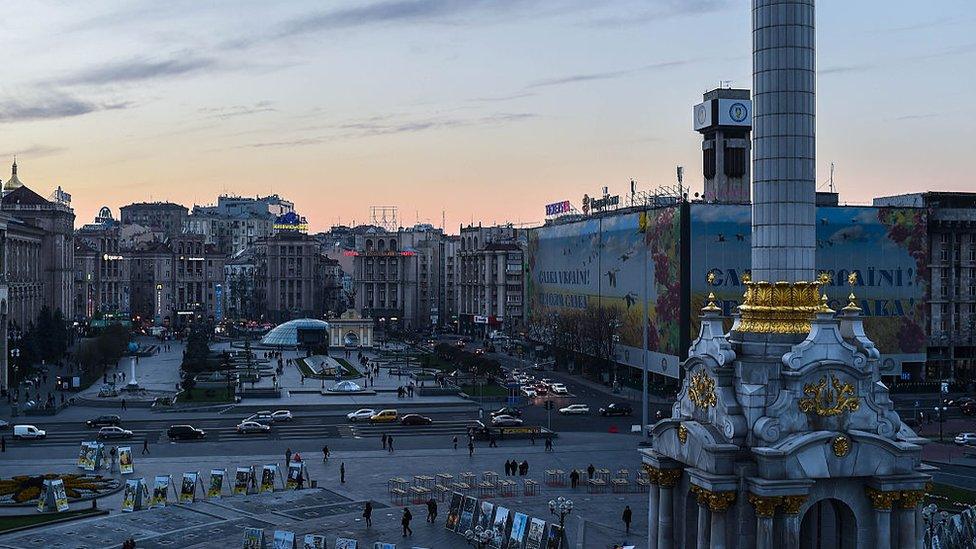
[
  {"x": 383, "y": 545},
  {"x": 242, "y": 480},
  {"x": 43, "y": 496},
  {"x": 346, "y": 543},
  {"x": 216, "y": 487},
  {"x": 188, "y": 488},
  {"x": 90, "y": 455},
  {"x": 83, "y": 455},
  {"x": 520, "y": 524},
  {"x": 52, "y": 496},
  {"x": 454, "y": 512},
  {"x": 60, "y": 495},
  {"x": 133, "y": 494},
  {"x": 313, "y": 541},
  {"x": 253, "y": 538},
  {"x": 467, "y": 513},
  {"x": 485, "y": 516},
  {"x": 554, "y": 537},
  {"x": 267, "y": 478},
  {"x": 501, "y": 523},
  {"x": 283, "y": 539},
  {"x": 125, "y": 460},
  {"x": 536, "y": 535},
  {"x": 294, "y": 471},
  {"x": 160, "y": 492}
]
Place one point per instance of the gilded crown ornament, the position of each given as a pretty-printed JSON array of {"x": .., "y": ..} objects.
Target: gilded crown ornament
[
  {"x": 828, "y": 399},
  {"x": 711, "y": 307},
  {"x": 682, "y": 433},
  {"x": 701, "y": 390},
  {"x": 841, "y": 445},
  {"x": 852, "y": 299}
]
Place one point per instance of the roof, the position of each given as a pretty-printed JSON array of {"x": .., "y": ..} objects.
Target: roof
[
  {"x": 13, "y": 182},
  {"x": 23, "y": 195}
]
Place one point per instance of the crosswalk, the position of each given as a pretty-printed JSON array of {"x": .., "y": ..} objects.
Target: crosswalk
[
  {"x": 438, "y": 428},
  {"x": 154, "y": 436},
  {"x": 76, "y": 436}
]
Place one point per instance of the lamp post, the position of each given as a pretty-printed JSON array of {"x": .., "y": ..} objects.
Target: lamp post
[
  {"x": 483, "y": 537},
  {"x": 941, "y": 410},
  {"x": 562, "y": 507}
]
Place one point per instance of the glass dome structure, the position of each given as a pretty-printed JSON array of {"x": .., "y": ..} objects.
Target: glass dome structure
[
  {"x": 286, "y": 335},
  {"x": 345, "y": 387}
]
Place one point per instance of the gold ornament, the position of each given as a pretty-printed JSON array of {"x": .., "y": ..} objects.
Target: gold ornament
[
  {"x": 881, "y": 501},
  {"x": 792, "y": 504},
  {"x": 910, "y": 499},
  {"x": 765, "y": 505},
  {"x": 667, "y": 478},
  {"x": 851, "y": 306},
  {"x": 652, "y": 473},
  {"x": 841, "y": 445},
  {"x": 780, "y": 307},
  {"x": 701, "y": 390},
  {"x": 682, "y": 433},
  {"x": 719, "y": 502},
  {"x": 825, "y": 402}
]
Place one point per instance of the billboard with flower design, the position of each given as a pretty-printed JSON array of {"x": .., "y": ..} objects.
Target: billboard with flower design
[
  {"x": 886, "y": 247},
  {"x": 629, "y": 263}
]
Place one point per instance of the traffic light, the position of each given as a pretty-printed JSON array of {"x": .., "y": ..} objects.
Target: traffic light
[{"x": 549, "y": 405}]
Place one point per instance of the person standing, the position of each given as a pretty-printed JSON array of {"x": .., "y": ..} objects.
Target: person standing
[
  {"x": 524, "y": 468},
  {"x": 384, "y": 441},
  {"x": 325, "y": 453},
  {"x": 470, "y": 449},
  {"x": 405, "y": 522},
  {"x": 455, "y": 442},
  {"x": 145, "y": 446},
  {"x": 389, "y": 444},
  {"x": 431, "y": 510},
  {"x": 574, "y": 479},
  {"x": 627, "y": 517},
  {"x": 342, "y": 473},
  {"x": 287, "y": 457},
  {"x": 548, "y": 444},
  {"x": 123, "y": 404},
  {"x": 589, "y": 471},
  {"x": 368, "y": 514}
]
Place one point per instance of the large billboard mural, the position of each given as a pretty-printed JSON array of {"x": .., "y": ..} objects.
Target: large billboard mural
[
  {"x": 886, "y": 247},
  {"x": 627, "y": 263}
]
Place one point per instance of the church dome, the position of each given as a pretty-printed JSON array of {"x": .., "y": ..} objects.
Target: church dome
[{"x": 13, "y": 182}]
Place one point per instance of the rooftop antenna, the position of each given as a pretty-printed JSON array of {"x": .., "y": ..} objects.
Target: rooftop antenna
[{"x": 831, "y": 181}]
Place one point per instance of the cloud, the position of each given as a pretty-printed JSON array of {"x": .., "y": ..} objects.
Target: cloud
[
  {"x": 499, "y": 98},
  {"x": 922, "y": 25},
  {"x": 35, "y": 151},
  {"x": 917, "y": 116},
  {"x": 135, "y": 70},
  {"x": 49, "y": 106},
  {"x": 607, "y": 75},
  {"x": 664, "y": 9},
  {"x": 233, "y": 111},
  {"x": 840, "y": 69}
]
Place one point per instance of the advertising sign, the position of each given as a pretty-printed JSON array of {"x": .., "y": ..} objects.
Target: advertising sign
[
  {"x": 554, "y": 537},
  {"x": 283, "y": 539},
  {"x": 268, "y": 478},
  {"x": 125, "y": 460},
  {"x": 188, "y": 488},
  {"x": 60, "y": 495},
  {"x": 702, "y": 115},
  {"x": 294, "y": 471},
  {"x": 467, "y": 513},
  {"x": 313, "y": 541},
  {"x": 214, "y": 491},
  {"x": 487, "y": 513},
  {"x": 735, "y": 112},
  {"x": 454, "y": 512},
  {"x": 621, "y": 270},
  {"x": 519, "y": 526},
  {"x": 42, "y": 497},
  {"x": 502, "y": 522},
  {"x": 242, "y": 480},
  {"x": 253, "y": 538},
  {"x": 536, "y": 535},
  {"x": 558, "y": 208},
  {"x": 887, "y": 248},
  {"x": 160, "y": 493},
  {"x": 131, "y": 493}
]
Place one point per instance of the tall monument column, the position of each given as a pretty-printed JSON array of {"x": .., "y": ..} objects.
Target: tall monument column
[{"x": 784, "y": 171}]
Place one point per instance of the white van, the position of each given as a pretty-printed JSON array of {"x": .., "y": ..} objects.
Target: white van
[{"x": 28, "y": 432}]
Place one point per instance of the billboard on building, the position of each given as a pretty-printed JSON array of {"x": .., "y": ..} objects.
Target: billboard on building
[
  {"x": 886, "y": 247},
  {"x": 625, "y": 265}
]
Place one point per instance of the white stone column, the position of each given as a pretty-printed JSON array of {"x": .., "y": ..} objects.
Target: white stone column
[
  {"x": 653, "y": 508},
  {"x": 907, "y": 528},
  {"x": 765, "y": 508},
  {"x": 882, "y": 502},
  {"x": 717, "y": 536},
  {"x": 791, "y": 520},
  {"x": 703, "y": 524},
  {"x": 667, "y": 479}
]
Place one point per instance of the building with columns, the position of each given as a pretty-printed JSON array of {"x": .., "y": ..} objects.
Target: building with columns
[
  {"x": 782, "y": 434},
  {"x": 491, "y": 289}
]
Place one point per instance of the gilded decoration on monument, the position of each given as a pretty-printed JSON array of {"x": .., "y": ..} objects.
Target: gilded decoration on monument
[
  {"x": 667, "y": 478},
  {"x": 682, "y": 433},
  {"x": 779, "y": 307},
  {"x": 701, "y": 390},
  {"x": 880, "y": 500},
  {"x": 710, "y": 306},
  {"x": 828, "y": 399},
  {"x": 841, "y": 445},
  {"x": 765, "y": 505},
  {"x": 792, "y": 504}
]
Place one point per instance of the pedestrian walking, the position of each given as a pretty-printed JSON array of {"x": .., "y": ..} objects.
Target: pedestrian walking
[
  {"x": 389, "y": 444},
  {"x": 532, "y": 438},
  {"x": 627, "y": 517},
  {"x": 342, "y": 473},
  {"x": 384, "y": 441},
  {"x": 325, "y": 453},
  {"x": 145, "y": 446},
  {"x": 589, "y": 471},
  {"x": 492, "y": 442},
  {"x": 455, "y": 442},
  {"x": 508, "y": 468},
  {"x": 123, "y": 404},
  {"x": 111, "y": 459},
  {"x": 405, "y": 522},
  {"x": 548, "y": 444},
  {"x": 470, "y": 449},
  {"x": 574, "y": 479},
  {"x": 368, "y": 513},
  {"x": 431, "y": 510},
  {"x": 524, "y": 468},
  {"x": 287, "y": 457}
]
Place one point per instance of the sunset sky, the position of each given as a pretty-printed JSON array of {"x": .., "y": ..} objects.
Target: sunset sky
[{"x": 483, "y": 109}]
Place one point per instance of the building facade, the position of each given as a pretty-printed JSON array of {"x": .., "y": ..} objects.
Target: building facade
[
  {"x": 163, "y": 217},
  {"x": 490, "y": 280},
  {"x": 293, "y": 279},
  {"x": 102, "y": 278}
]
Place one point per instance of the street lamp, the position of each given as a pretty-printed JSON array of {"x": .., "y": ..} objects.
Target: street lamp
[
  {"x": 562, "y": 507},
  {"x": 483, "y": 537},
  {"x": 941, "y": 410}
]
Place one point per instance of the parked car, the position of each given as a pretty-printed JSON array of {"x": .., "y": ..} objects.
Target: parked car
[
  {"x": 114, "y": 432},
  {"x": 575, "y": 410},
  {"x": 362, "y": 414},
  {"x": 559, "y": 389},
  {"x": 104, "y": 421},
  {"x": 108, "y": 390},
  {"x": 415, "y": 419},
  {"x": 263, "y": 417},
  {"x": 965, "y": 439},
  {"x": 246, "y": 427},
  {"x": 384, "y": 416},
  {"x": 185, "y": 432},
  {"x": 4, "y": 424},
  {"x": 616, "y": 409},
  {"x": 507, "y": 411},
  {"x": 506, "y": 421},
  {"x": 28, "y": 432},
  {"x": 282, "y": 415}
]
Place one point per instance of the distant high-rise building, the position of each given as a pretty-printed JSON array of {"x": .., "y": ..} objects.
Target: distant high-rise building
[
  {"x": 490, "y": 279},
  {"x": 164, "y": 217}
]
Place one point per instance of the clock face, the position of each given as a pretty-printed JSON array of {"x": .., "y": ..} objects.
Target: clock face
[
  {"x": 738, "y": 112},
  {"x": 700, "y": 115}
]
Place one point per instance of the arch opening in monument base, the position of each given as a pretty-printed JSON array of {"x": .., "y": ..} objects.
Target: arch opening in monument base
[
  {"x": 828, "y": 524},
  {"x": 350, "y": 340}
]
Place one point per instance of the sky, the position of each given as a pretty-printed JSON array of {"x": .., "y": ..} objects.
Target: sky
[{"x": 461, "y": 110}]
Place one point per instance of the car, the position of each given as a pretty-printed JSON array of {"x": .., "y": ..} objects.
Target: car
[
  {"x": 575, "y": 410},
  {"x": 4, "y": 424},
  {"x": 968, "y": 408},
  {"x": 506, "y": 421},
  {"x": 114, "y": 432},
  {"x": 616, "y": 409},
  {"x": 263, "y": 417},
  {"x": 185, "y": 432},
  {"x": 479, "y": 351},
  {"x": 384, "y": 416},
  {"x": 965, "y": 439},
  {"x": 559, "y": 389},
  {"x": 108, "y": 390},
  {"x": 961, "y": 401},
  {"x": 415, "y": 419},
  {"x": 28, "y": 432},
  {"x": 246, "y": 427},
  {"x": 541, "y": 388},
  {"x": 529, "y": 392},
  {"x": 104, "y": 421},
  {"x": 282, "y": 415},
  {"x": 507, "y": 411},
  {"x": 362, "y": 414}
]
